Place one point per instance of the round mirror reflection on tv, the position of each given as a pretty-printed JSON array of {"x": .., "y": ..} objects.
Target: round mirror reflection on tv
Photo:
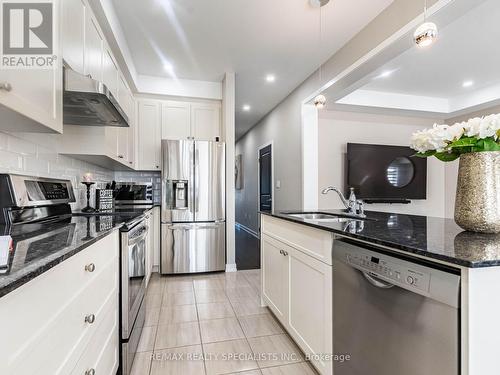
[{"x": 400, "y": 172}]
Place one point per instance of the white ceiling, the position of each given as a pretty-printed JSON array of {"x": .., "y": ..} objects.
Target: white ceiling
[
  {"x": 203, "y": 39},
  {"x": 431, "y": 79}
]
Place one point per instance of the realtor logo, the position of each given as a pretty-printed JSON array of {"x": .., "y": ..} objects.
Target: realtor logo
[{"x": 27, "y": 34}]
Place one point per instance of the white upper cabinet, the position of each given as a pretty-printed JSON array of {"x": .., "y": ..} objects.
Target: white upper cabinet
[
  {"x": 149, "y": 133},
  {"x": 183, "y": 120},
  {"x": 175, "y": 120},
  {"x": 205, "y": 121},
  {"x": 31, "y": 98},
  {"x": 73, "y": 34},
  {"x": 93, "y": 49},
  {"x": 123, "y": 133},
  {"x": 132, "y": 133},
  {"x": 109, "y": 73}
]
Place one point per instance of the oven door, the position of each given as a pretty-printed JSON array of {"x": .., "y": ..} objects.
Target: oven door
[{"x": 133, "y": 274}]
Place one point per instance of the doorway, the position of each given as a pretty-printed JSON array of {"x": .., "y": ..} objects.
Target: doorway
[{"x": 266, "y": 178}]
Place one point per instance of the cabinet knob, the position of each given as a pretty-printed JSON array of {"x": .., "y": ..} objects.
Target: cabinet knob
[
  {"x": 5, "y": 86},
  {"x": 284, "y": 253},
  {"x": 90, "y": 318},
  {"x": 90, "y": 372},
  {"x": 90, "y": 267},
  {"x": 121, "y": 156},
  {"x": 157, "y": 167}
]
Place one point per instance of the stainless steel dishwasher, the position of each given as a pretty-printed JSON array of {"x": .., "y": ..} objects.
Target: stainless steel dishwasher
[{"x": 393, "y": 316}]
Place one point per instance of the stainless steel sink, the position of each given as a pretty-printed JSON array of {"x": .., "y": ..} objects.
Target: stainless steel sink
[{"x": 318, "y": 216}]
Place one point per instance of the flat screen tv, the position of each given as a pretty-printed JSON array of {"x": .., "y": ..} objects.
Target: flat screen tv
[{"x": 380, "y": 173}]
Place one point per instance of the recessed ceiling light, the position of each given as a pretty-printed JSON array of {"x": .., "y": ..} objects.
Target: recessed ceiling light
[
  {"x": 246, "y": 108},
  {"x": 468, "y": 83},
  {"x": 385, "y": 74},
  {"x": 270, "y": 78}
]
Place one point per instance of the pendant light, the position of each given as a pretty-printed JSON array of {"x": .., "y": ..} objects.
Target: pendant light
[
  {"x": 320, "y": 100},
  {"x": 426, "y": 33}
]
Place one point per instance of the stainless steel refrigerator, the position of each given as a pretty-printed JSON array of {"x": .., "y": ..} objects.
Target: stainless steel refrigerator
[{"x": 193, "y": 229}]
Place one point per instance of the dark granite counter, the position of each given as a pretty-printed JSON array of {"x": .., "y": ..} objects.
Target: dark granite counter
[
  {"x": 431, "y": 237},
  {"x": 38, "y": 247}
]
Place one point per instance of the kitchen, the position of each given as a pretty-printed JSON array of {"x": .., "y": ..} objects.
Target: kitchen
[{"x": 121, "y": 211}]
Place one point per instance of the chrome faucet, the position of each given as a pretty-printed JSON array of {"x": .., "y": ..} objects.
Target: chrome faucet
[{"x": 355, "y": 207}]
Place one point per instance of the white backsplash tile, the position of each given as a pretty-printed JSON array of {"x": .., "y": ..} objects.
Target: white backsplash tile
[{"x": 20, "y": 153}]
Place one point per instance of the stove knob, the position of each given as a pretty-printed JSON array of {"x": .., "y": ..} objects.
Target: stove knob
[{"x": 410, "y": 280}]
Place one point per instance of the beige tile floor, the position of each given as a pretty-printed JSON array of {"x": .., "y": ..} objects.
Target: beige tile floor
[{"x": 213, "y": 324}]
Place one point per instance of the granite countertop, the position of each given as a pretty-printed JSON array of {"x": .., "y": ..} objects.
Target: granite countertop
[
  {"x": 40, "y": 246},
  {"x": 432, "y": 237}
]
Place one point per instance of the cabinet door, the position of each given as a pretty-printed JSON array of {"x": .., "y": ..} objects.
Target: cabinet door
[
  {"x": 275, "y": 277},
  {"x": 31, "y": 99},
  {"x": 175, "y": 120},
  {"x": 149, "y": 135},
  {"x": 93, "y": 49},
  {"x": 123, "y": 133},
  {"x": 205, "y": 121},
  {"x": 310, "y": 305},
  {"x": 149, "y": 245},
  {"x": 110, "y": 73},
  {"x": 132, "y": 133},
  {"x": 73, "y": 34},
  {"x": 156, "y": 225}
]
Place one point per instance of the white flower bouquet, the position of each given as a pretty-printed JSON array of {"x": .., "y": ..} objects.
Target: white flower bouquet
[{"x": 448, "y": 142}]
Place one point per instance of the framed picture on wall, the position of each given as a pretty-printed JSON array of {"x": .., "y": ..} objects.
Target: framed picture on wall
[{"x": 238, "y": 172}]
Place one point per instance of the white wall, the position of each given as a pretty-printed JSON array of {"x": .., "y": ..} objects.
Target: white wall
[
  {"x": 283, "y": 125},
  {"x": 336, "y": 129}
]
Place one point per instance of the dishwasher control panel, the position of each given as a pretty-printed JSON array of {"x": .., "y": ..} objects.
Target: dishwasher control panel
[{"x": 398, "y": 272}]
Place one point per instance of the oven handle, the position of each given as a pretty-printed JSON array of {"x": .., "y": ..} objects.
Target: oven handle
[
  {"x": 376, "y": 282},
  {"x": 134, "y": 240}
]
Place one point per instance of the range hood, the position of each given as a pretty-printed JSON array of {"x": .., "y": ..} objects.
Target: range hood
[{"x": 89, "y": 102}]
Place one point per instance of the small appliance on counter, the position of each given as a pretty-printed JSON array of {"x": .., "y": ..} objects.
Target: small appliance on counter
[
  {"x": 131, "y": 195},
  {"x": 193, "y": 228}
]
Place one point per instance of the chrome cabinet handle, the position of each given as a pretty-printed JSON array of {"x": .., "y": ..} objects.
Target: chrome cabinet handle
[
  {"x": 5, "y": 86},
  {"x": 90, "y": 267},
  {"x": 285, "y": 253},
  {"x": 90, "y": 372},
  {"x": 90, "y": 318}
]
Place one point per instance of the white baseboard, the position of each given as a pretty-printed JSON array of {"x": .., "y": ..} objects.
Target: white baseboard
[
  {"x": 231, "y": 267},
  {"x": 155, "y": 269},
  {"x": 248, "y": 230}
]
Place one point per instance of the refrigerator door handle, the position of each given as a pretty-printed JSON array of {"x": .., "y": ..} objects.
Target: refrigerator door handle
[
  {"x": 196, "y": 202},
  {"x": 179, "y": 226}
]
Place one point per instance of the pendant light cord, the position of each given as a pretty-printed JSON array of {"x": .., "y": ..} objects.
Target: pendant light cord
[{"x": 320, "y": 42}]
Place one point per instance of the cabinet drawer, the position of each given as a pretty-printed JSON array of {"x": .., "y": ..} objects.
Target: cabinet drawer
[
  {"x": 101, "y": 354},
  {"x": 45, "y": 319},
  {"x": 313, "y": 242}
]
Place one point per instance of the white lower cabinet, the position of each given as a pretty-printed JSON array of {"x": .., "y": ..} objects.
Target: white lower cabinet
[
  {"x": 274, "y": 277},
  {"x": 310, "y": 306},
  {"x": 297, "y": 287},
  {"x": 149, "y": 245},
  {"x": 65, "y": 321}
]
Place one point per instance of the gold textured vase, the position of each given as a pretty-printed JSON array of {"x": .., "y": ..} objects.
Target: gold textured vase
[{"x": 477, "y": 205}]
